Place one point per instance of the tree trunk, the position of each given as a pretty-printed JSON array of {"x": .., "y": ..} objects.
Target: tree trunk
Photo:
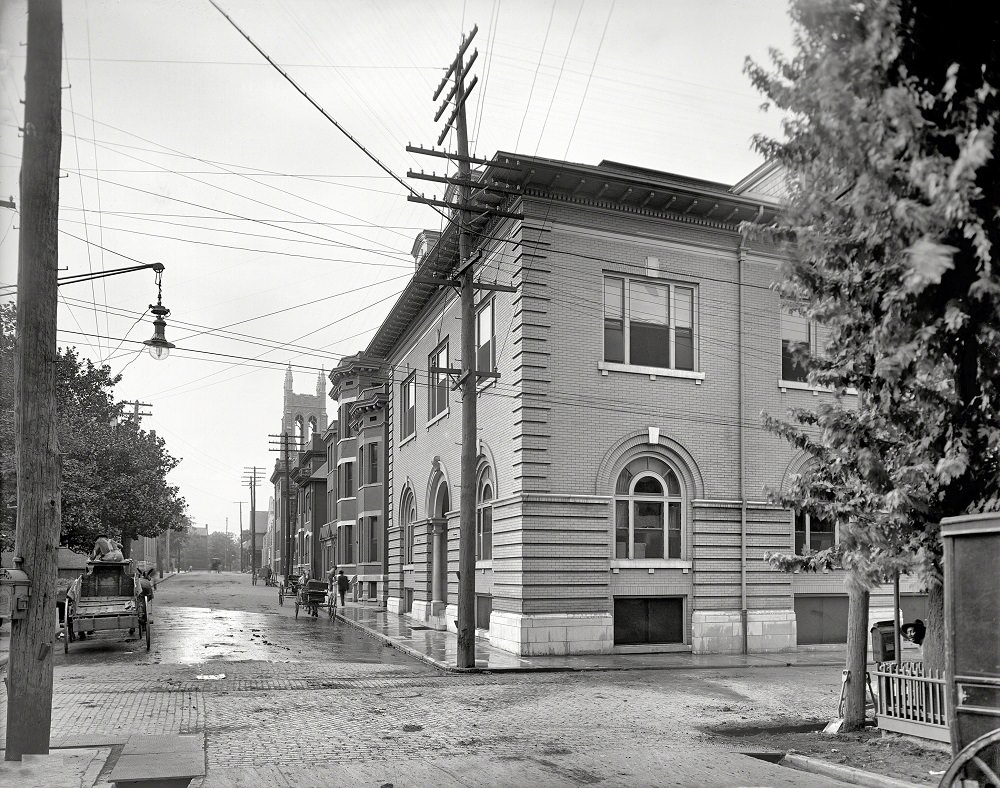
[
  {"x": 857, "y": 654},
  {"x": 934, "y": 638},
  {"x": 126, "y": 547}
]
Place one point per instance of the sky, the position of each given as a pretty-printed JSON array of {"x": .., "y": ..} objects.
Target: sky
[{"x": 283, "y": 242}]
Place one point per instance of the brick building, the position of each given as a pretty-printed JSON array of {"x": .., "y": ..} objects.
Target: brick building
[{"x": 622, "y": 471}]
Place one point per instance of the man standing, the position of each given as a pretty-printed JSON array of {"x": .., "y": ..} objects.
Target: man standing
[{"x": 342, "y": 585}]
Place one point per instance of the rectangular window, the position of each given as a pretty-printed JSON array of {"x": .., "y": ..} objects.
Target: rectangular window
[
  {"x": 373, "y": 463},
  {"x": 373, "y": 590},
  {"x": 361, "y": 466},
  {"x": 485, "y": 342},
  {"x": 614, "y": 319},
  {"x": 813, "y": 533},
  {"x": 348, "y": 479},
  {"x": 437, "y": 395},
  {"x": 373, "y": 554},
  {"x": 649, "y": 324},
  {"x": 408, "y": 541},
  {"x": 349, "y": 544},
  {"x": 796, "y": 340},
  {"x": 484, "y": 533},
  {"x": 408, "y": 407}
]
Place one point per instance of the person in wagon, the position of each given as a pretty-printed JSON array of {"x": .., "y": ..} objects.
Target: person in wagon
[{"x": 106, "y": 549}]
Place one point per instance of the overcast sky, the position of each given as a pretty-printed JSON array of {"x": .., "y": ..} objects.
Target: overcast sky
[{"x": 183, "y": 146}]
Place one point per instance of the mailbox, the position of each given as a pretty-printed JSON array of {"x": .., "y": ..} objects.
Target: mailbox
[
  {"x": 15, "y": 588},
  {"x": 971, "y": 611},
  {"x": 883, "y": 641}
]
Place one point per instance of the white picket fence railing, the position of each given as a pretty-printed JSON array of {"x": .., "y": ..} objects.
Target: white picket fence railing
[{"x": 911, "y": 700}]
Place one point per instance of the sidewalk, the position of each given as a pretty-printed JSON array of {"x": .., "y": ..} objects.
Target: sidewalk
[{"x": 440, "y": 649}]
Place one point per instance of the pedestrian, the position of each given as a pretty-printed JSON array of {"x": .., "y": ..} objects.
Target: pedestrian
[
  {"x": 253, "y": 576},
  {"x": 342, "y": 585}
]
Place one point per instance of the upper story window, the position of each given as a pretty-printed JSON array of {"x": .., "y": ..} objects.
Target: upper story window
[
  {"x": 796, "y": 345},
  {"x": 484, "y": 516},
  {"x": 814, "y": 533},
  {"x": 649, "y": 511},
  {"x": 373, "y": 554},
  {"x": 486, "y": 359},
  {"x": 408, "y": 515},
  {"x": 408, "y": 406},
  {"x": 437, "y": 394},
  {"x": 348, "y": 485},
  {"x": 649, "y": 324},
  {"x": 373, "y": 467},
  {"x": 345, "y": 420}
]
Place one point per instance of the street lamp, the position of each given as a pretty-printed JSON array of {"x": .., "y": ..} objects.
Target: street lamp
[{"x": 158, "y": 346}]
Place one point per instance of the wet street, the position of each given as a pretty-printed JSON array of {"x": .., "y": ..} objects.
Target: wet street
[
  {"x": 204, "y": 617},
  {"x": 316, "y": 702}
]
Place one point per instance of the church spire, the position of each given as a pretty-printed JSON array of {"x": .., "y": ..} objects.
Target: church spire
[
  {"x": 321, "y": 383},
  {"x": 288, "y": 379}
]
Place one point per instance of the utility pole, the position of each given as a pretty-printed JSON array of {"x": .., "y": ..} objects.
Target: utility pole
[
  {"x": 469, "y": 375},
  {"x": 36, "y": 440},
  {"x": 251, "y": 479},
  {"x": 287, "y": 533},
  {"x": 228, "y": 566},
  {"x": 242, "y": 561},
  {"x": 137, "y": 413}
]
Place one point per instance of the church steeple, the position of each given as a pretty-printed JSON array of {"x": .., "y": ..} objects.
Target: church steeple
[
  {"x": 321, "y": 383},
  {"x": 288, "y": 379}
]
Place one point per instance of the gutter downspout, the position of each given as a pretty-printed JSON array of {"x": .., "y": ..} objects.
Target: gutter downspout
[{"x": 741, "y": 257}]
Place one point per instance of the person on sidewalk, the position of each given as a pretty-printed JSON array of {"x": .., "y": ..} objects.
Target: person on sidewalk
[{"x": 343, "y": 583}]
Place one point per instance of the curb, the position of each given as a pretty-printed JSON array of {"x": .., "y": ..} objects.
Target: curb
[
  {"x": 551, "y": 668},
  {"x": 846, "y": 773}
]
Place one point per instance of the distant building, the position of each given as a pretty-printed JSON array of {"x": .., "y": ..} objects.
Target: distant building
[{"x": 304, "y": 422}]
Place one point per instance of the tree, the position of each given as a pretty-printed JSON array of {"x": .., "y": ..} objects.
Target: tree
[
  {"x": 223, "y": 545},
  {"x": 114, "y": 476},
  {"x": 889, "y": 151}
]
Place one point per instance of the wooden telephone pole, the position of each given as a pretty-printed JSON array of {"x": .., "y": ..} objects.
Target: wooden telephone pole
[
  {"x": 36, "y": 441},
  {"x": 251, "y": 478},
  {"x": 287, "y": 532},
  {"x": 468, "y": 375}
]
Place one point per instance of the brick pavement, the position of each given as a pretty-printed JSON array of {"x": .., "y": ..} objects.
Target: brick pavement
[{"x": 344, "y": 710}]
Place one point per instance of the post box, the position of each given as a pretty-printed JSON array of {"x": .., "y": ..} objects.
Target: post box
[
  {"x": 15, "y": 588},
  {"x": 972, "y": 641},
  {"x": 883, "y": 641}
]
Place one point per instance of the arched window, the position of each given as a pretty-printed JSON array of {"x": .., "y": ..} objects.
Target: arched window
[
  {"x": 649, "y": 510},
  {"x": 484, "y": 515},
  {"x": 407, "y": 516}
]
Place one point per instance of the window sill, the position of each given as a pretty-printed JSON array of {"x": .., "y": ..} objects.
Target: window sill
[
  {"x": 435, "y": 419},
  {"x": 481, "y": 387},
  {"x": 650, "y": 563},
  {"x": 349, "y": 498},
  {"x": 408, "y": 438},
  {"x": 484, "y": 564},
  {"x": 408, "y": 567},
  {"x": 653, "y": 372},
  {"x": 798, "y": 385}
]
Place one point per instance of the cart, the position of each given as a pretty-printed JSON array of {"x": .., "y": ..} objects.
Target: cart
[
  {"x": 107, "y": 598},
  {"x": 313, "y": 595},
  {"x": 288, "y": 587}
]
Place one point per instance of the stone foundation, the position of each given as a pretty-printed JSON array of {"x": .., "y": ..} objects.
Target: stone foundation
[
  {"x": 552, "y": 633},
  {"x": 716, "y": 632},
  {"x": 394, "y": 605},
  {"x": 771, "y": 630}
]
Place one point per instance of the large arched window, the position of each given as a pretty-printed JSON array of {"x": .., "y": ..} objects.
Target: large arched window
[
  {"x": 484, "y": 515},
  {"x": 649, "y": 510},
  {"x": 407, "y": 516}
]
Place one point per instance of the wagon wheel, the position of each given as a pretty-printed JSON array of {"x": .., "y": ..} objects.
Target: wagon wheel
[
  {"x": 149, "y": 635},
  {"x": 974, "y": 758},
  {"x": 331, "y": 605}
]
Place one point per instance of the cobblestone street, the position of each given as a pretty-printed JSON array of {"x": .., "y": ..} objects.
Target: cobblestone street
[{"x": 285, "y": 701}]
